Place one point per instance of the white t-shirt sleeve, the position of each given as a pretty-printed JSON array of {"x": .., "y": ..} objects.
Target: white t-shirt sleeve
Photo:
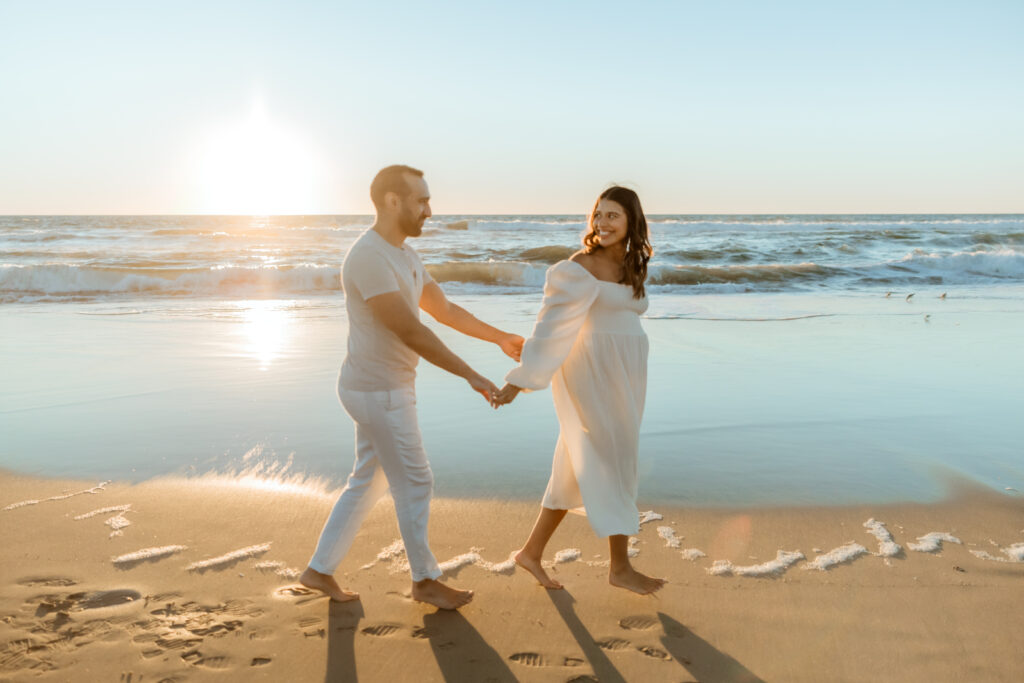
[{"x": 372, "y": 275}]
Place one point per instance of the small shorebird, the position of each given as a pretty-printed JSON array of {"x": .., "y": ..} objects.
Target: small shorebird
[
  {"x": 909, "y": 295},
  {"x": 888, "y": 294},
  {"x": 927, "y": 317},
  {"x": 942, "y": 296}
]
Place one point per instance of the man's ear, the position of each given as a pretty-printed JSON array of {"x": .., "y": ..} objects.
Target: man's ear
[{"x": 391, "y": 201}]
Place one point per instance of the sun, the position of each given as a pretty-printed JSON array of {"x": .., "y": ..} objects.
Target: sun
[{"x": 255, "y": 167}]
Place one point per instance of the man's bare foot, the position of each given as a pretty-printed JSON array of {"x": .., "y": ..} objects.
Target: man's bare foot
[
  {"x": 631, "y": 579},
  {"x": 437, "y": 594},
  {"x": 326, "y": 583},
  {"x": 534, "y": 566}
]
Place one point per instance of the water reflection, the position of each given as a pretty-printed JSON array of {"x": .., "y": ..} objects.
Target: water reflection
[{"x": 267, "y": 331}]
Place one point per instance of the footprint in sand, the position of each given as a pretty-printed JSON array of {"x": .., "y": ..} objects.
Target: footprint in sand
[
  {"x": 300, "y": 593},
  {"x": 217, "y": 663},
  {"x": 582, "y": 679},
  {"x": 185, "y": 627},
  {"x": 529, "y": 659},
  {"x": 171, "y": 678},
  {"x": 197, "y": 658},
  {"x": 177, "y": 642},
  {"x": 75, "y": 602},
  {"x": 310, "y": 627},
  {"x": 23, "y": 653},
  {"x": 213, "y": 628},
  {"x": 654, "y": 652},
  {"x": 614, "y": 644},
  {"x": 162, "y": 598},
  {"x": 50, "y": 581},
  {"x": 260, "y": 661},
  {"x": 640, "y": 622},
  {"x": 382, "y": 630},
  {"x": 535, "y": 659}
]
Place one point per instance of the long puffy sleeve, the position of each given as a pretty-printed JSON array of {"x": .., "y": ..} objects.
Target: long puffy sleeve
[{"x": 569, "y": 291}]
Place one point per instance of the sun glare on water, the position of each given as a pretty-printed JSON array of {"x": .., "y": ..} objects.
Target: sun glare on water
[
  {"x": 266, "y": 331},
  {"x": 255, "y": 167}
]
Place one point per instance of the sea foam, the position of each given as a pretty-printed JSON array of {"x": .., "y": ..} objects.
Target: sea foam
[
  {"x": 783, "y": 560},
  {"x": 1014, "y": 553},
  {"x": 844, "y": 553},
  {"x": 932, "y": 542},
  {"x": 228, "y": 558},
  {"x": 649, "y": 516},
  {"x": 567, "y": 555},
  {"x": 669, "y": 534},
  {"x": 148, "y": 554},
  {"x": 887, "y": 547},
  {"x": 64, "y": 496}
]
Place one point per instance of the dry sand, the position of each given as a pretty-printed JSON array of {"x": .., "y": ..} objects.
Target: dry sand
[{"x": 69, "y": 613}]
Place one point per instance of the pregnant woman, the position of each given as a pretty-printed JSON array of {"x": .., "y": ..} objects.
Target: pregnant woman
[{"x": 588, "y": 344}]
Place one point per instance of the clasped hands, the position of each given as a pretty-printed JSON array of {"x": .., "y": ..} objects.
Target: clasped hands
[{"x": 512, "y": 345}]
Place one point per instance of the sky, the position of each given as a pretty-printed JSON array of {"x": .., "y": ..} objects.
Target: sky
[{"x": 525, "y": 107}]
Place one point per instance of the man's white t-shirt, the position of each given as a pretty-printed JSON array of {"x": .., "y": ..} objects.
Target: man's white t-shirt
[{"x": 377, "y": 359}]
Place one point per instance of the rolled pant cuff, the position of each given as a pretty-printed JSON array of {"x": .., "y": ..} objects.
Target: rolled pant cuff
[
  {"x": 435, "y": 574},
  {"x": 317, "y": 567}
]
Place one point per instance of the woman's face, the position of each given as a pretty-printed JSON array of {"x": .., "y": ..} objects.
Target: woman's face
[{"x": 610, "y": 223}]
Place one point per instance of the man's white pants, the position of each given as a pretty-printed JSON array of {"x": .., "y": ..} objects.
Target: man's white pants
[{"x": 389, "y": 453}]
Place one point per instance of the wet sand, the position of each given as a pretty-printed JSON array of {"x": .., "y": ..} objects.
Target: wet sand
[{"x": 218, "y": 599}]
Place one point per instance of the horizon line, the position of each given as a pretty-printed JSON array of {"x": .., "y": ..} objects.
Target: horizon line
[{"x": 471, "y": 215}]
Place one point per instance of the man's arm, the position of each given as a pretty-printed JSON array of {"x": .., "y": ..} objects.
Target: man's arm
[
  {"x": 393, "y": 312},
  {"x": 434, "y": 302}
]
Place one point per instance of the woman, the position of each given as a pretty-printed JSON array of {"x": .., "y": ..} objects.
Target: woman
[{"x": 589, "y": 345}]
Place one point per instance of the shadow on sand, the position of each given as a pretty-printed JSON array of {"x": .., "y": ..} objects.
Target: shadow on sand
[
  {"x": 604, "y": 670},
  {"x": 702, "y": 661},
  {"x": 461, "y": 652},
  {"x": 342, "y": 624}
]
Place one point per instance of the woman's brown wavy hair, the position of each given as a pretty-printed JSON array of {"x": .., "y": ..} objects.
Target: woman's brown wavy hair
[{"x": 638, "y": 244}]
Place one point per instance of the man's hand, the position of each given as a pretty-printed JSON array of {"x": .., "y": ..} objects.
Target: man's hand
[
  {"x": 506, "y": 395},
  {"x": 512, "y": 345},
  {"x": 484, "y": 387}
]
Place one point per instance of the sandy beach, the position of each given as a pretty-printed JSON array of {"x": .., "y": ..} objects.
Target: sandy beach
[{"x": 193, "y": 579}]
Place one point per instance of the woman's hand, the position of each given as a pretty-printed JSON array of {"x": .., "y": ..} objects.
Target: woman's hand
[
  {"x": 512, "y": 345},
  {"x": 506, "y": 394}
]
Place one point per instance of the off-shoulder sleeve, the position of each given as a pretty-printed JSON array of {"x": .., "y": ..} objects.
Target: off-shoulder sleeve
[{"x": 569, "y": 291}]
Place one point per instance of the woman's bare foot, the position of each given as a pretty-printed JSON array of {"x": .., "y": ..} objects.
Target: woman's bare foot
[
  {"x": 631, "y": 579},
  {"x": 534, "y": 566},
  {"x": 435, "y": 593},
  {"x": 326, "y": 583}
]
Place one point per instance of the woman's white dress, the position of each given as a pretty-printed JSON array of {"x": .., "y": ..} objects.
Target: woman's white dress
[{"x": 588, "y": 344}]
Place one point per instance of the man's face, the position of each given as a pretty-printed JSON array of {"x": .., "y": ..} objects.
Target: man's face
[{"x": 414, "y": 208}]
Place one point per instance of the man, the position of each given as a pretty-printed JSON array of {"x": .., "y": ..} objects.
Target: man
[{"x": 385, "y": 284}]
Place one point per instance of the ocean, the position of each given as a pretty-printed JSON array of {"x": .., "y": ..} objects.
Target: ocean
[
  {"x": 121, "y": 259},
  {"x": 794, "y": 359}
]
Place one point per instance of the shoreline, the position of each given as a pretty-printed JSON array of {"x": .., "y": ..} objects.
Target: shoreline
[
  {"x": 218, "y": 599},
  {"x": 954, "y": 488}
]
